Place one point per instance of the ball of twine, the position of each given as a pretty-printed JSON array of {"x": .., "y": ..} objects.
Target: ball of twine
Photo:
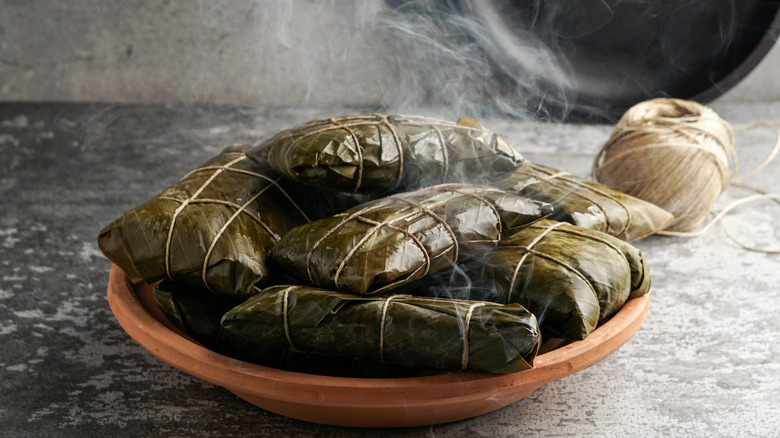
[{"x": 677, "y": 154}]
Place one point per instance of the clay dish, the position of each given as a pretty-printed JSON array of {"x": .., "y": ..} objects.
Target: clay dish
[{"x": 358, "y": 402}]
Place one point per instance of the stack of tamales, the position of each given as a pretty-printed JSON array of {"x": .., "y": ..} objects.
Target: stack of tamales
[{"x": 352, "y": 246}]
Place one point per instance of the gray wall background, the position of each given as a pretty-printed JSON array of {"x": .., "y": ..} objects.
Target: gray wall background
[{"x": 271, "y": 52}]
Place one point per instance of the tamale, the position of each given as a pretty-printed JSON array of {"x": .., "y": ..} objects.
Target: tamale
[
  {"x": 213, "y": 229},
  {"x": 586, "y": 203},
  {"x": 382, "y": 244},
  {"x": 380, "y": 154},
  {"x": 196, "y": 312},
  {"x": 401, "y": 330},
  {"x": 571, "y": 278}
]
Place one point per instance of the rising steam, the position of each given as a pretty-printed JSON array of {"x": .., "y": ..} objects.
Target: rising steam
[
  {"x": 442, "y": 58},
  {"x": 456, "y": 57}
]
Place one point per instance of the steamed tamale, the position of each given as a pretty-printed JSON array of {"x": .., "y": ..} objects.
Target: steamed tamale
[
  {"x": 213, "y": 229},
  {"x": 585, "y": 203},
  {"x": 379, "y": 154},
  {"x": 571, "y": 278},
  {"x": 401, "y": 330},
  {"x": 197, "y": 313},
  {"x": 385, "y": 243}
]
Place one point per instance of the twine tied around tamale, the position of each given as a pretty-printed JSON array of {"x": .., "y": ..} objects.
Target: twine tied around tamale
[
  {"x": 351, "y": 123},
  {"x": 438, "y": 219},
  {"x": 562, "y": 180},
  {"x": 286, "y": 318},
  {"x": 464, "y": 357},
  {"x": 680, "y": 156},
  {"x": 528, "y": 249},
  {"x": 239, "y": 209},
  {"x": 385, "y": 306},
  {"x": 417, "y": 210},
  {"x": 558, "y": 258},
  {"x": 358, "y": 216}
]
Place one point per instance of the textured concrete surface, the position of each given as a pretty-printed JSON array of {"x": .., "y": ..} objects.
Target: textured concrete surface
[
  {"x": 706, "y": 362},
  {"x": 292, "y": 52}
]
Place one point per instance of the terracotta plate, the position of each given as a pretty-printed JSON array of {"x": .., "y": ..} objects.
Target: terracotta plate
[{"x": 344, "y": 401}]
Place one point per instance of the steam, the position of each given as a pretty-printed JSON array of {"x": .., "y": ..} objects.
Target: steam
[
  {"x": 526, "y": 60},
  {"x": 458, "y": 58},
  {"x": 446, "y": 59}
]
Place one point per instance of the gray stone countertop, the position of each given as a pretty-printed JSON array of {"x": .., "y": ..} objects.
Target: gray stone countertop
[{"x": 705, "y": 363}]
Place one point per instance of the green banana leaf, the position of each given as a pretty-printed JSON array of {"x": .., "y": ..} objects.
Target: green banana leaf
[
  {"x": 571, "y": 278},
  {"x": 407, "y": 331},
  {"x": 196, "y": 312},
  {"x": 586, "y": 203},
  {"x": 377, "y": 246},
  {"x": 380, "y": 154},
  {"x": 214, "y": 228}
]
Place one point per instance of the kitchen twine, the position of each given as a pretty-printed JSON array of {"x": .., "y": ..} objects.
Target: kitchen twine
[
  {"x": 417, "y": 211},
  {"x": 680, "y": 156},
  {"x": 464, "y": 355},
  {"x": 553, "y": 178},
  {"x": 239, "y": 209}
]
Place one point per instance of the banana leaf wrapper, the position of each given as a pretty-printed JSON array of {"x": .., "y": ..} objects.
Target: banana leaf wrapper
[
  {"x": 214, "y": 228},
  {"x": 587, "y": 204},
  {"x": 400, "y": 330},
  {"x": 380, "y": 245},
  {"x": 571, "y": 278},
  {"x": 196, "y": 312},
  {"x": 380, "y": 154}
]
